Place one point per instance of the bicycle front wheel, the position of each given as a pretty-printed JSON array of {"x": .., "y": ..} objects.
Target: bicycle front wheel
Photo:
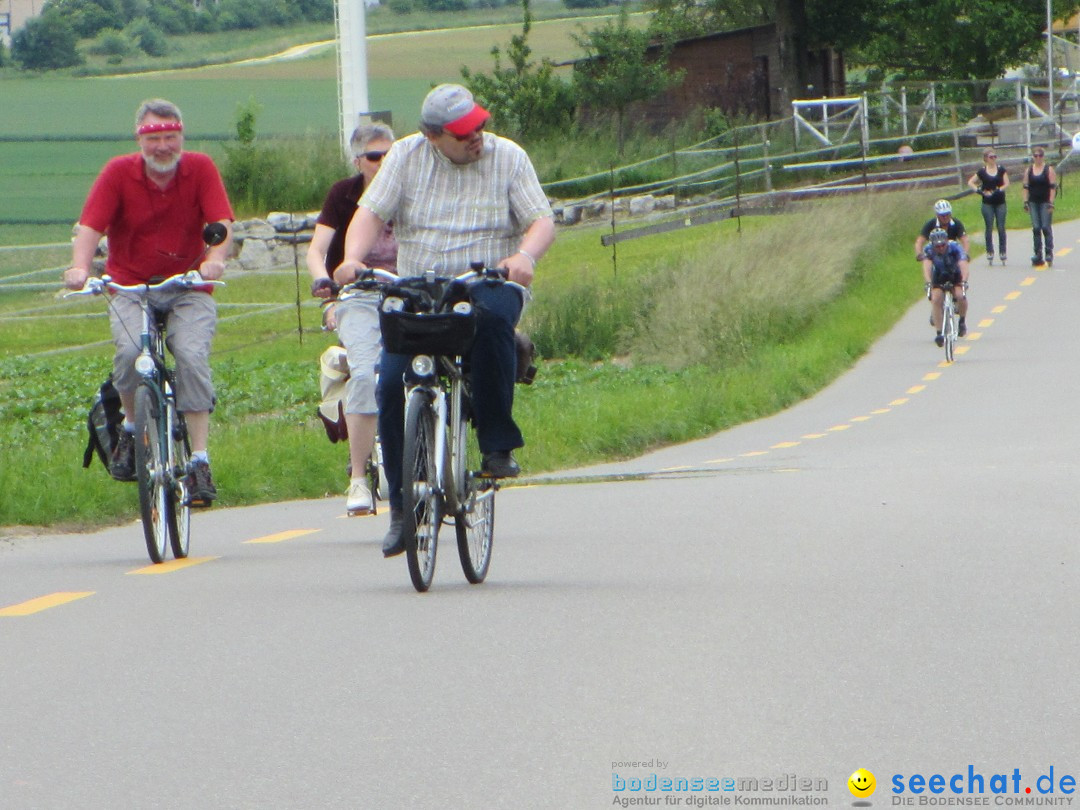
[
  {"x": 179, "y": 497},
  {"x": 949, "y": 329},
  {"x": 150, "y": 471},
  {"x": 475, "y": 518},
  {"x": 421, "y": 500}
]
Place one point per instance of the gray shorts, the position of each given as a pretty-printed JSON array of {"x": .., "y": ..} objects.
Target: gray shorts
[
  {"x": 358, "y": 331},
  {"x": 190, "y": 328}
]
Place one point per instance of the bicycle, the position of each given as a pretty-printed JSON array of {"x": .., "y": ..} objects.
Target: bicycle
[
  {"x": 162, "y": 447},
  {"x": 432, "y": 319},
  {"x": 950, "y": 329}
]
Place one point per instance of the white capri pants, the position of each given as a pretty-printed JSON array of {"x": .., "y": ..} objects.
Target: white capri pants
[{"x": 358, "y": 331}]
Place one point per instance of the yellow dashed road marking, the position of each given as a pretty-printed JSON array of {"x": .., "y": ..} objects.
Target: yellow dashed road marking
[
  {"x": 719, "y": 461},
  {"x": 860, "y": 419},
  {"x": 172, "y": 565},
  {"x": 784, "y": 445},
  {"x": 1027, "y": 282},
  {"x": 916, "y": 389},
  {"x": 1012, "y": 296},
  {"x": 753, "y": 453},
  {"x": 835, "y": 428},
  {"x": 281, "y": 537},
  {"x": 901, "y": 401},
  {"x": 999, "y": 309},
  {"x": 44, "y": 603},
  {"x": 985, "y": 322},
  {"x": 932, "y": 375}
]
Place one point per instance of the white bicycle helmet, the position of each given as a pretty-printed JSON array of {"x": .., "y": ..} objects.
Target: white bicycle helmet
[{"x": 942, "y": 207}]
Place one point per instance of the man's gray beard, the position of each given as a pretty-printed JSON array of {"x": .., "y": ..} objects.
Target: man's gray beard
[{"x": 158, "y": 166}]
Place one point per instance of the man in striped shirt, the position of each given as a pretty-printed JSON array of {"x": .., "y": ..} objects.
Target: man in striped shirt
[{"x": 456, "y": 195}]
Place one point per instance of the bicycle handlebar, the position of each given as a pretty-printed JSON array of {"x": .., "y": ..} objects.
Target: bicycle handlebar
[
  {"x": 373, "y": 277},
  {"x": 187, "y": 281}
]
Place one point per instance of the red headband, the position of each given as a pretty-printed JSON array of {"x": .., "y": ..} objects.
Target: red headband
[{"x": 167, "y": 126}]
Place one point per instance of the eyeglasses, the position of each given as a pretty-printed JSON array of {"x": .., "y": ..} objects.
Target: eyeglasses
[
  {"x": 467, "y": 135},
  {"x": 991, "y": 157},
  {"x": 1038, "y": 154},
  {"x": 374, "y": 156}
]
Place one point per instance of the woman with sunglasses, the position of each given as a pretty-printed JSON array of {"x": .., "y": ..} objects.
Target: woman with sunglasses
[
  {"x": 356, "y": 319},
  {"x": 991, "y": 181},
  {"x": 1040, "y": 188}
]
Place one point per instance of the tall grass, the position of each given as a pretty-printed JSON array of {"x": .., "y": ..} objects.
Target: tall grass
[{"x": 717, "y": 306}]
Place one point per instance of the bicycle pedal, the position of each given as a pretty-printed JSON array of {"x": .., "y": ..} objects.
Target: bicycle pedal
[{"x": 360, "y": 512}]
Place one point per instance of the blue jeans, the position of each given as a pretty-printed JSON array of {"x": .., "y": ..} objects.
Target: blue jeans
[
  {"x": 994, "y": 214},
  {"x": 1042, "y": 221},
  {"x": 493, "y": 369}
]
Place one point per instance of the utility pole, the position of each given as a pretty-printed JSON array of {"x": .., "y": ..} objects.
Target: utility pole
[{"x": 351, "y": 28}]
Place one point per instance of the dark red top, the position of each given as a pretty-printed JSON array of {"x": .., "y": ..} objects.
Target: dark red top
[
  {"x": 154, "y": 231},
  {"x": 337, "y": 213}
]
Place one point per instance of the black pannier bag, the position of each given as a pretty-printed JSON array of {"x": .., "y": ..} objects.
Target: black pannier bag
[
  {"x": 103, "y": 424},
  {"x": 421, "y": 317}
]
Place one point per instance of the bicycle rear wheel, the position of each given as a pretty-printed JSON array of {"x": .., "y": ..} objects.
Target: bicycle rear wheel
[
  {"x": 150, "y": 471},
  {"x": 475, "y": 518},
  {"x": 421, "y": 500},
  {"x": 179, "y": 497}
]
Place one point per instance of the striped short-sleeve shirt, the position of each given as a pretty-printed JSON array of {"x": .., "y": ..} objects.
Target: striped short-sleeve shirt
[{"x": 448, "y": 215}]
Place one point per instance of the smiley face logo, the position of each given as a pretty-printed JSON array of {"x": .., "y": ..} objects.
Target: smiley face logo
[{"x": 861, "y": 783}]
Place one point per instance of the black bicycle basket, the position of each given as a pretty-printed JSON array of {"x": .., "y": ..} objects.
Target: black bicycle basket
[{"x": 417, "y": 316}]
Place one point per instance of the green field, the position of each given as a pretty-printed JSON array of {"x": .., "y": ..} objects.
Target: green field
[{"x": 48, "y": 179}]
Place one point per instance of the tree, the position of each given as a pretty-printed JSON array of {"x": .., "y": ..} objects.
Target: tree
[
  {"x": 617, "y": 70},
  {"x": 524, "y": 99},
  {"x": 959, "y": 39},
  {"x": 45, "y": 43}
]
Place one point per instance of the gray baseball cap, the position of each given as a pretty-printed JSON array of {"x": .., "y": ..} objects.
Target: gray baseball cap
[{"x": 451, "y": 107}]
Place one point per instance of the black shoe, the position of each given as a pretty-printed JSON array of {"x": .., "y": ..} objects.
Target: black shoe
[
  {"x": 940, "y": 339},
  {"x": 961, "y": 328},
  {"x": 394, "y": 541},
  {"x": 122, "y": 463},
  {"x": 200, "y": 484},
  {"x": 500, "y": 464},
  {"x": 1036, "y": 260}
]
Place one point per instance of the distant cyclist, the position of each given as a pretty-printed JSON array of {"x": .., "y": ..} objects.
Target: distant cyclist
[
  {"x": 943, "y": 219},
  {"x": 944, "y": 261}
]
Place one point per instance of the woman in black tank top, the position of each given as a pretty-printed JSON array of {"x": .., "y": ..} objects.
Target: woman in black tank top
[
  {"x": 991, "y": 181},
  {"x": 1040, "y": 188}
]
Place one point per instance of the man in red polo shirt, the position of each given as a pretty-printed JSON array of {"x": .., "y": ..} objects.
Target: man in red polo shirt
[{"x": 153, "y": 205}]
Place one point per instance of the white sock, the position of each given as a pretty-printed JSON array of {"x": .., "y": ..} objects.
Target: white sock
[{"x": 200, "y": 455}]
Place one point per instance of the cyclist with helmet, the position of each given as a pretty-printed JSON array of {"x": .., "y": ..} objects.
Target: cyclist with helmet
[
  {"x": 944, "y": 261},
  {"x": 944, "y": 219}
]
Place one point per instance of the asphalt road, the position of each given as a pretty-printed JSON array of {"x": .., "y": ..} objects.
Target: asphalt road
[{"x": 881, "y": 577}]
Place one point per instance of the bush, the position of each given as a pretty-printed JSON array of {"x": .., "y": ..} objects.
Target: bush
[
  {"x": 112, "y": 44},
  {"x": 290, "y": 174},
  {"x": 46, "y": 43},
  {"x": 149, "y": 38}
]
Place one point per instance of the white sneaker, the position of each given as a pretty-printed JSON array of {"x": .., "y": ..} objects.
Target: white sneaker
[{"x": 358, "y": 501}]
